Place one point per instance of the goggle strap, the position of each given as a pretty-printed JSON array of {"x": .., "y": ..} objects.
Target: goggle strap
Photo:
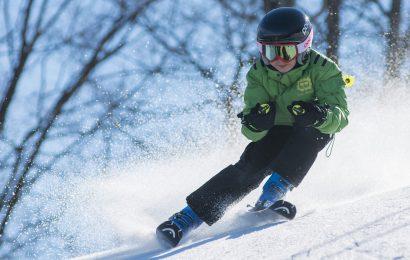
[{"x": 306, "y": 44}]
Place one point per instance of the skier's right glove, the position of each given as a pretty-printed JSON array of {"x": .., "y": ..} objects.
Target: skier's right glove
[{"x": 261, "y": 117}]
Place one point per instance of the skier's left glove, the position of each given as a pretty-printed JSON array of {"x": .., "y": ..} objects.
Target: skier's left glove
[
  {"x": 260, "y": 118},
  {"x": 308, "y": 114}
]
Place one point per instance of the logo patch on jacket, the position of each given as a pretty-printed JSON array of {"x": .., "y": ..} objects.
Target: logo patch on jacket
[{"x": 304, "y": 85}]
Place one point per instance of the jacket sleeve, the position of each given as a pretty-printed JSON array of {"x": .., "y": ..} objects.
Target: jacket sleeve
[
  {"x": 254, "y": 93},
  {"x": 330, "y": 91}
]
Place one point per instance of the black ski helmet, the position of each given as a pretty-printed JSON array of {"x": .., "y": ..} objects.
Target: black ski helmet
[{"x": 286, "y": 25}]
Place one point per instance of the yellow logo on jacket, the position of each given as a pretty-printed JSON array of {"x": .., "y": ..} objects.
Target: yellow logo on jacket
[{"x": 304, "y": 85}]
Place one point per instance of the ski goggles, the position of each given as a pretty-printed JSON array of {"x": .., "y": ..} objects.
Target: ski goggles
[{"x": 284, "y": 51}]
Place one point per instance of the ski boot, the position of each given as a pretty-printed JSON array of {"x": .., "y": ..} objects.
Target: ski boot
[
  {"x": 274, "y": 190},
  {"x": 177, "y": 226}
]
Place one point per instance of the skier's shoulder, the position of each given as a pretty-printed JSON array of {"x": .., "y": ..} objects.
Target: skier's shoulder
[
  {"x": 257, "y": 71},
  {"x": 319, "y": 60},
  {"x": 322, "y": 65},
  {"x": 257, "y": 67}
]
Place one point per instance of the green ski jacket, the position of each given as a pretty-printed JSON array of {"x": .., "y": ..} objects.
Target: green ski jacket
[{"x": 318, "y": 79}]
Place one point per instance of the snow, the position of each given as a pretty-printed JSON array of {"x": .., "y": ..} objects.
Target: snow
[
  {"x": 372, "y": 227},
  {"x": 353, "y": 205}
]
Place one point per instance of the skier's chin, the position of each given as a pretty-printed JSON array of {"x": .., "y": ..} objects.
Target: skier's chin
[{"x": 282, "y": 66}]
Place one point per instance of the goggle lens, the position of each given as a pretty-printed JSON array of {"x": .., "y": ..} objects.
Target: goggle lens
[{"x": 284, "y": 52}]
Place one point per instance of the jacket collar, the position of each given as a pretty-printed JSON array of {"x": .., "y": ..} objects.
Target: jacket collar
[{"x": 290, "y": 77}]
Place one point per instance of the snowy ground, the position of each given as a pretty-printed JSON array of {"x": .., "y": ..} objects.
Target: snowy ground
[
  {"x": 372, "y": 227},
  {"x": 355, "y": 204}
]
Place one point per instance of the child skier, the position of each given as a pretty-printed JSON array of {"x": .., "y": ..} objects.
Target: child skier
[{"x": 294, "y": 104}]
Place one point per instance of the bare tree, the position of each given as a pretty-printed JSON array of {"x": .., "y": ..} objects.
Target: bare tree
[
  {"x": 234, "y": 43},
  {"x": 91, "y": 42},
  {"x": 272, "y": 4},
  {"x": 30, "y": 33},
  {"x": 333, "y": 28},
  {"x": 387, "y": 23},
  {"x": 395, "y": 41}
]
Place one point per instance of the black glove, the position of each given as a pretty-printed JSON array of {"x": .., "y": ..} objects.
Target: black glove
[
  {"x": 261, "y": 117},
  {"x": 308, "y": 114}
]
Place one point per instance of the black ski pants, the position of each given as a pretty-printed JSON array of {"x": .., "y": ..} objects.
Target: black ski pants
[{"x": 286, "y": 150}]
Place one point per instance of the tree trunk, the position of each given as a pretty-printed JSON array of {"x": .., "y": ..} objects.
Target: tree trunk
[
  {"x": 333, "y": 28},
  {"x": 395, "y": 50},
  {"x": 272, "y": 4}
]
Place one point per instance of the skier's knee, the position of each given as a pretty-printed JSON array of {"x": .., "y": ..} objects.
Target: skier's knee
[
  {"x": 312, "y": 137},
  {"x": 247, "y": 175}
]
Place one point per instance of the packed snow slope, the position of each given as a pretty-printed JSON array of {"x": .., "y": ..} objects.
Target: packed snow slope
[
  {"x": 376, "y": 226},
  {"x": 355, "y": 204}
]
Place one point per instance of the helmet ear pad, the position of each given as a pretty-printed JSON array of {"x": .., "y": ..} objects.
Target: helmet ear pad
[
  {"x": 302, "y": 57},
  {"x": 265, "y": 60}
]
